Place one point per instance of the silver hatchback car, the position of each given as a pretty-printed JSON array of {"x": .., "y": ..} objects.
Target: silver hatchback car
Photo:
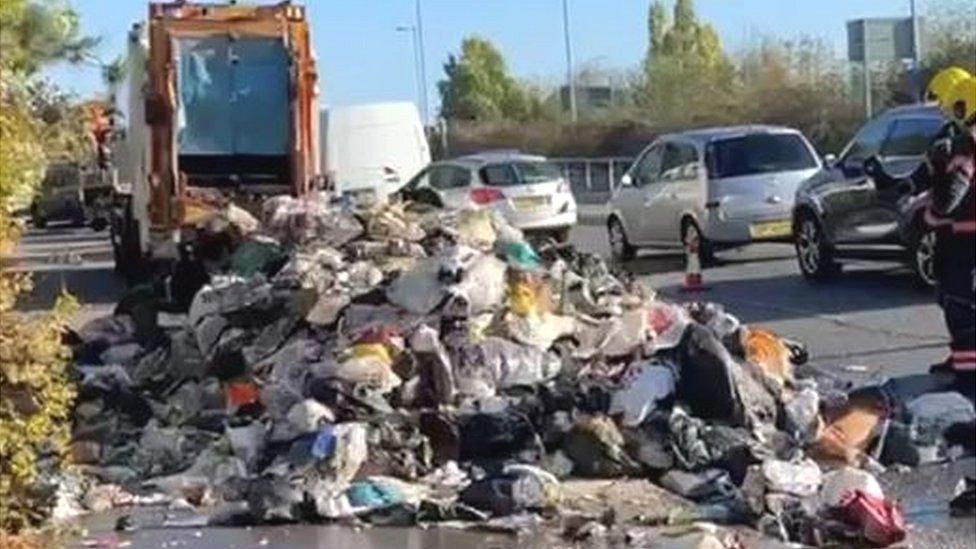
[
  {"x": 528, "y": 191},
  {"x": 724, "y": 187}
]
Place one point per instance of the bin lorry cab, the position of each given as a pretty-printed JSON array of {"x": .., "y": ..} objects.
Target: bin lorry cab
[{"x": 219, "y": 104}]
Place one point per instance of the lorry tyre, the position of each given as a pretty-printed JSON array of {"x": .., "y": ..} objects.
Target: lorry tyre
[
  {"x": 37, "y": 217},
  {"x": 99, "y": 224}
]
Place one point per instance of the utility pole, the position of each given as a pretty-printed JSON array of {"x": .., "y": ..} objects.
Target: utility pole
[
  {"x": 916, "y": 54},
  {"x": 418, "y": 80},
  {"x": 423, "y": 64},
  {"x": 569, "y": 63}
]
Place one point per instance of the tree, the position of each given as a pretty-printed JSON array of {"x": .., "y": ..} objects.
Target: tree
[
  {"x": 479, "y": 87},
  {"x": 657, "y": 26},
  {"x": 684, "y": 61},
  {"x": 37, "y": 122},
  {"x": 36, "y": 33},
  {"x": 951, "y": 35}
]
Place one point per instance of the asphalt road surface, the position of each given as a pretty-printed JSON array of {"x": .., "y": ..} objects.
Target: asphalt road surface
[{"x": 869, "y": 323}]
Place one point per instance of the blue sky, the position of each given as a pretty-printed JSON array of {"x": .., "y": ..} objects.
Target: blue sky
[{"x": 362, "y": 58}]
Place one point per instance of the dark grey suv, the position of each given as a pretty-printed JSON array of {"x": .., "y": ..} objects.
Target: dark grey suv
[{"x": 839, "y": 213}]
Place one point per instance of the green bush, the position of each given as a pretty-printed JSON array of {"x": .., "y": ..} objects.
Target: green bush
[{"x": 35, "y": 404}]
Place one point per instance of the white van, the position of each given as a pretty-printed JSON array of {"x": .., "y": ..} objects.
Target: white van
[{"x": 371, "y": 150}]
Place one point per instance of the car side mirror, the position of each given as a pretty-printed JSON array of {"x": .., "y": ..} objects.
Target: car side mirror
[
  {"x": 626, "y": 180},
  {"x": 871, "y": 166},
  {"x": 829, "y": 159}
]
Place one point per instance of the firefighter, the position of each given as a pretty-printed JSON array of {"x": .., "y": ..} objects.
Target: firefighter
[
  {"x": 947, "y": 174},
  {"x": 943, "y": 82}
]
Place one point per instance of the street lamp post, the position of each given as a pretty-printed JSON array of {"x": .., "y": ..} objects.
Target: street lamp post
[
  {"x": 416, "y": 65},
  {"x": 423, "y": 62},
  {"x": 569, "y": 62},
  {"x": 916, "y": 54}
]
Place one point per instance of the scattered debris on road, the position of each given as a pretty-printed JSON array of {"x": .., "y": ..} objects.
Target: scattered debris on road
[{"x": 404, "y": 365}]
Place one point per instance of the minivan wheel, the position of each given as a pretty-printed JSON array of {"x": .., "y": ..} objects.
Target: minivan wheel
[
  {"x": 922, "y": 257},
  {"x": 620, "y": 248},
  {"x": 812, "y": 252},
  {"x": 689, "y": 232}
]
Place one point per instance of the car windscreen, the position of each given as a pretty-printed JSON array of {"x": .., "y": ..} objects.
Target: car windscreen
[
  {"x": 519, "y": 173},
  {"x": 758, "y": 153}
]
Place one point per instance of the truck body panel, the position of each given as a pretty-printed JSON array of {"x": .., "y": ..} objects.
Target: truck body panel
[{"x": 220, "y": 102}]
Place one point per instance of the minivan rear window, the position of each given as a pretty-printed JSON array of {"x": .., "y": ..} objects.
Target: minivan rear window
[{"x": 758, "y": 153}]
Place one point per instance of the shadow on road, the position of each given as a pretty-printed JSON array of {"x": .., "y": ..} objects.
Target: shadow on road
[
  {"x": 669, "y": 262},
  {"x": 93, "y": 285},
  {"x": 788, "y": 295}
]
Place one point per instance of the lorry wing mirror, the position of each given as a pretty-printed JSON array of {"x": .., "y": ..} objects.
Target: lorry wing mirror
[
  {"x": 155, "y": 110},
  {"x": 829, "y": 159},
  {"x": 626, "y": 180}
]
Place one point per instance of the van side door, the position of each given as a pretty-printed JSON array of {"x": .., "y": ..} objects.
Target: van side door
[
  {"x": 678, "y": 188},
  {"x": 631, "y": 199}
]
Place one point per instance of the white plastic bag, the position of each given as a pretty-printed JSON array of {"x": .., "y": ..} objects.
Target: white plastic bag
[{"x": 644, "y": 385}]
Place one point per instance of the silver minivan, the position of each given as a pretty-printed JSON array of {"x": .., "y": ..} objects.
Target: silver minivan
[{"x": 724, "y": 187}]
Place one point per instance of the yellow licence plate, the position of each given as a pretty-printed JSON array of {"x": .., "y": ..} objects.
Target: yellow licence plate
[
  {"x": 531, "y": 203},
  {"x": 771, "y": 229}
]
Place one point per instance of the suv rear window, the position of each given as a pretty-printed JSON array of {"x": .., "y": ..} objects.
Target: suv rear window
[
  {"x": 758, "y": 153},
  {"x": 519, "y": 173}
]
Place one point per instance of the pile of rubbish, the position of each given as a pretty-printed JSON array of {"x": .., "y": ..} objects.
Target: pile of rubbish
[{"x": 409, "y": 365}]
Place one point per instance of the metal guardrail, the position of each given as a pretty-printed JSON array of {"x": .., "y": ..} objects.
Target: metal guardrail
[{"x": 591, "y": 179}]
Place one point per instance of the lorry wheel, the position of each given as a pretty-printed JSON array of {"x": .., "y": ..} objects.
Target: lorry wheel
[
  {"x": 79, "y": 219},
  {"x": 37, "y": 218}
]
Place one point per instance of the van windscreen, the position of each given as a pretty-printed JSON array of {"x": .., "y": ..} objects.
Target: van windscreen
[{"x": 758, "y": 153}]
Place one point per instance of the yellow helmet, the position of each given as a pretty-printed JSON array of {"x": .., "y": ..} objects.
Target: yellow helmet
[
  {"x": 943, "y": 82},
  {"x": 959, "y": 103}
]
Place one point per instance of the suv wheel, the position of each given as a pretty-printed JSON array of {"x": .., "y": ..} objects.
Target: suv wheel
[
  {"x": 620, "y": 248},
  {"x": 922, "y": 257},
  {"x": 812, "y": 252}
]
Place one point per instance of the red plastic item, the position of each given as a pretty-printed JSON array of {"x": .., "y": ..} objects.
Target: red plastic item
[
  {"x": 881, "y": 521},
  {"x": 240, "y": 394}
]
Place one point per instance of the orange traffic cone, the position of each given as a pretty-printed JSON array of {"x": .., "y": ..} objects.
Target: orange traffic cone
[{"x": 693, "y": 275}]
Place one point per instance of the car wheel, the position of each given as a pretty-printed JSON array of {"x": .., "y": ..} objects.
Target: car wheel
[
  {"x": 812, "y": 252},
  {"x": 99, "y": 224},
  {"x": 620, "y": 247},
  {"x": 690, "y": 232},
  {"x": 561, "y": 235},
  {"x": 923, "y": 259}
]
